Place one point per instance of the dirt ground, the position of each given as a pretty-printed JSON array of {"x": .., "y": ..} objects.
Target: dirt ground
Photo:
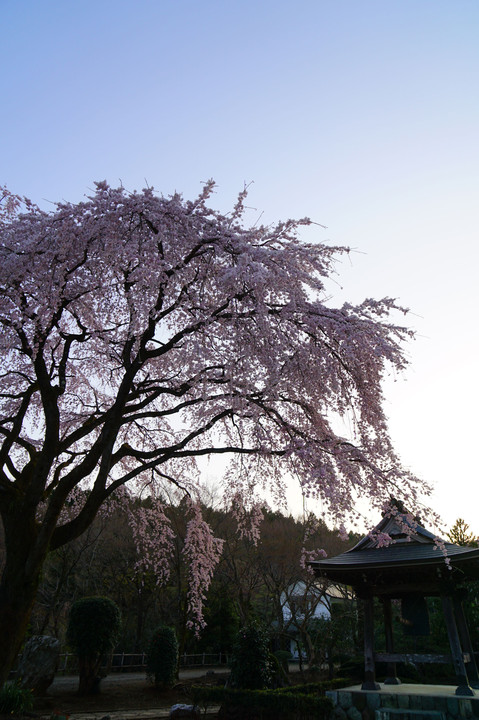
[
  {"x": 114, "y": 696},
  {"x": 123, "y": 692}
]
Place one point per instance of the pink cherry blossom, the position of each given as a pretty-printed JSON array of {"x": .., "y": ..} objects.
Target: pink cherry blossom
[
  {"x": 140, "y": 333},
  {"x": 202, "y": 551}
]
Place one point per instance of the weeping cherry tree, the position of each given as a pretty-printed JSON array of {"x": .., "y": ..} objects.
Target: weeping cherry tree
[{"x": 140, "y": 333}]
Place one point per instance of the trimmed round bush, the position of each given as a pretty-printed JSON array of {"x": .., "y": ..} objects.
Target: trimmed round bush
[
  {"x": 93, "y": 628},
  {"x": 251, "y": 661},
  {"x": 162, "y": 657}
]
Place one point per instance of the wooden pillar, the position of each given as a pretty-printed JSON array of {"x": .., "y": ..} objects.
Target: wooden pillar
[
  {"x": 391, "y": 672},
  {"x": 463, "y": 687},
  {"x": 465, "y": 639},
  {"x": 369, "y": 665}
]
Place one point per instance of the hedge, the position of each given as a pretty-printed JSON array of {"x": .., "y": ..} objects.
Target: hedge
[{"x": 282, "y": 704}]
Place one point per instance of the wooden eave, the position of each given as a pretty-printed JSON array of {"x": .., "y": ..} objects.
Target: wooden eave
[{"x": 413, "y": 561}]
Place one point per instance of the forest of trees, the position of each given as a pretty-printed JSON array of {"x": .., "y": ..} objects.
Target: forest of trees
[
  {"x": 254, "y": 579},
  {"x": 251, "y": 581}
]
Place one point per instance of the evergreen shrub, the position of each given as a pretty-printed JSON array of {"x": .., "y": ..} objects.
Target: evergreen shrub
[
  {"x": 162, "y": 657},
  {"x": 93, "y": 627},
  {"x": 251, "y": 667},
  {"x": 267, "y": 704},
  {"x": 15, "y": 699}
]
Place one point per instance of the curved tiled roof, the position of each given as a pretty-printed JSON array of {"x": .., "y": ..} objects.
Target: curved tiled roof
[{"x": 412, "y": 548}]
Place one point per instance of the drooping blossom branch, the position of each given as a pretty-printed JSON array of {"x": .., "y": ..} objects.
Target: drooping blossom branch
[
  {"x": 309, "y": 556},
  {"x": 248, "y": 519},
  {"x": 202, "y": 552},
  {"x": 154, "y": 540}
]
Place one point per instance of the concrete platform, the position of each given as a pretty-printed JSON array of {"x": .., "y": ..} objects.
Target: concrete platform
[
  {"x": 404, "y": 702},
  {"x": 411, "y": 689}
]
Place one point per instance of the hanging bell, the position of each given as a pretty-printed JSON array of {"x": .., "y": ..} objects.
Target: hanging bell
[{"x": 415, "y": 615}]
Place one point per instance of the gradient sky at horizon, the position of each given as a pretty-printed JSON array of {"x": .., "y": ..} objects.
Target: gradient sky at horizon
[{"x": 362, "y": 114}]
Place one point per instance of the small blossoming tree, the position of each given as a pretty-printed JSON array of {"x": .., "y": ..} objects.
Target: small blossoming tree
[{"x": 140, "y": 333}]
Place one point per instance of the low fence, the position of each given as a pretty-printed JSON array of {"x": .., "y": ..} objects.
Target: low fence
[{"x": 136, "y": 662}]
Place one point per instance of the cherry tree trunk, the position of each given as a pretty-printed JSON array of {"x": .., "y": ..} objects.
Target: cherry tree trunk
[
  {"x": 89, "y": 675},
  {"x": 16, "y": 601},
  {"x": 18, "y": 588}
]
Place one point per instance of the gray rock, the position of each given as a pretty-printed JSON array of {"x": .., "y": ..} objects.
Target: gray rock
[
  {"x": 452, "y": 706},
  {"x": 360, "y": 701},
  {"x": 465, "y": 708},
  {"x": 184, "y": 712},
  {"x": 345, "y": 700},
  {"x": 415, "y": 702},
  {"x": 403, "y": 702},
  {"x": 427, "y": 702},
  {"x": 373, "y": 700},
  {"x": 389, "y": 701},
  {"x": 38, "y": 663},
  {"x": 354, "y": 714}
]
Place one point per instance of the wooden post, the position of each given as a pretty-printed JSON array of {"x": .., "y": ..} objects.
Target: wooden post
[
  {"x": 392, "y": 678},
  {"x": 369, "y": 665},
  {"x": 463, "y": 687},
  {"x": 465, "y": 638}
]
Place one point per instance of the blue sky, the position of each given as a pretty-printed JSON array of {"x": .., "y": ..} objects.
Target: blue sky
[{"x": 361, "y": 114}]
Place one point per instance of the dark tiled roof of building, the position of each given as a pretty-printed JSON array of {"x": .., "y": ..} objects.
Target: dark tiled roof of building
[
  {"x": 397, "y": 555},
  {"x": 411, "y": 548}
]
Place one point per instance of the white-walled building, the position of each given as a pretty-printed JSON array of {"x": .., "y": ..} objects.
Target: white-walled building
[{"x": 303, "y": 603}]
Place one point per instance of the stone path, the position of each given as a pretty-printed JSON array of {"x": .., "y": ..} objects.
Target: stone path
[
  {"x": 70, "y": 683},
  {"x": 130, "y": 715}
]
